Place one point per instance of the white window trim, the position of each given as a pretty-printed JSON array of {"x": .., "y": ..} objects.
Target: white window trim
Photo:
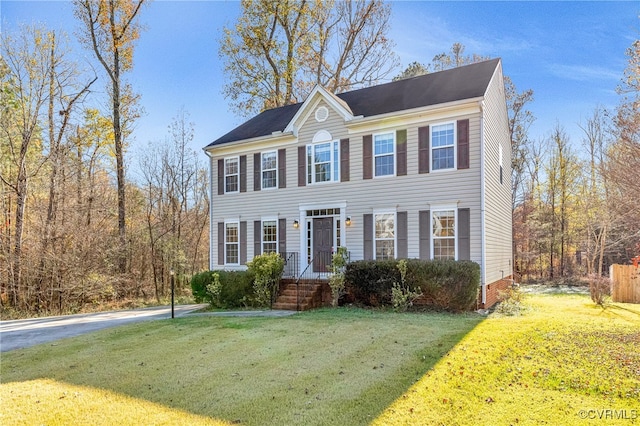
[
  {"x": 334, "y": 160},
  {"x": 455, "y": 147},
  {"x": 237, "y": 159},
  {"x": 395, "y": 231},
  {"x": 439, "y": 208},
  {"x": 262, "y": 241},
  {"x": 237, "y": 223},
  {"x": 394, "y": 154},
  {"x": 262, "y": 170}
]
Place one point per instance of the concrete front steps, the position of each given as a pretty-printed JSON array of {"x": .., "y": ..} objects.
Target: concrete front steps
[{"x": 312, "y": 294}]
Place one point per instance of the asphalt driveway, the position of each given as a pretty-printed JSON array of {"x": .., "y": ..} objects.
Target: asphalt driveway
[{"x": 19, "y": 334}]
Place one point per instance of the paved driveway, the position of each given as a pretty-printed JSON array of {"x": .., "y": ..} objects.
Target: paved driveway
[{"x": 24, "y": 333}]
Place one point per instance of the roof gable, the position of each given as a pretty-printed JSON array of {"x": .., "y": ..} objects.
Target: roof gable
[{"x": 467, "y": 82}]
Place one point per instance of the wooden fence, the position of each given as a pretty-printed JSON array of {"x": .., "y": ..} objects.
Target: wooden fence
[{"x": 625, "y": 283}]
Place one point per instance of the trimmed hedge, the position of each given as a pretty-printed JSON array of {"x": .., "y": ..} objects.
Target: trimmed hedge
[
  {"x": 445, "y": 284},
  {"x": 236, "y": 291}
]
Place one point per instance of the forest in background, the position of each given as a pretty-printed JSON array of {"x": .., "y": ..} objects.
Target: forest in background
[{"x": 78, "y": 233}]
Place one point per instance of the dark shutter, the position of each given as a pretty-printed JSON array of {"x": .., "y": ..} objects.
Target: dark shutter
[
  {"x": 464, "y": 231},
  {"x": 367, "y": 157},
  {"x": 220, "y": 243},
  {"x": 257, "y": 168},
  {"x": 424, "y": 231},
  {"x": 367, "y": 222},
  {"x": 302, "y": 165},
  {"x": 344, "y": 160},
  {"x": 423, "y": 149},
  {"x": 403, "y": 246},
  {"x": 257, "y": 238},
  {"x": 282, "y": 236},
  {"x": 401, "y": 149},
  {"x": 243, "y": 242},
  {"x": 220, "y": 177},
  {"x": 282, "y": 168},
  {"x": 463, "y": 144},
  {"x": 243, "y": 173}
]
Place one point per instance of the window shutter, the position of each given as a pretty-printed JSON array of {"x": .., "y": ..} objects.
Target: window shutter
[
  {"x": 464, "y": 231},
  {"x": 257, "y": 168},
  {"x": 424, "y": 231},
  {"x": 282, "y": 168},
  {"x": 423, "y": 149},
  {"x": 243, "y": 242},
  {"x": 344, "y": 160},
  {"x": 463, "y": 144},
  {"x": 401, "y": 149},
  {"x": 367, "y": 222},
  {"x": 220, "y": 243},
  {"x": 221, "y": 177},
  {"x": 302, "y": 165},
  {"x": 243, "y": 173},
  {"x": 367, "y": 157},
  {"x": 403, "y": 246},
  {"x": 282, "y": 237},
  {"x": 257, "y": 238}
]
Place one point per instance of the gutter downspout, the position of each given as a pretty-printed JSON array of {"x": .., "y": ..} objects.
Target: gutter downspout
[
  {"x": 208, "y": 154},
  {"x": 483, "y": 242}
]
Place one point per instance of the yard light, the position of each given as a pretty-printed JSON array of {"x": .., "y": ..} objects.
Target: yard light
[{"x": 172, "y": 274}]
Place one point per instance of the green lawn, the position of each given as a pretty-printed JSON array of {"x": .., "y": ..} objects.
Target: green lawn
[{"x": 562, "y": 360}]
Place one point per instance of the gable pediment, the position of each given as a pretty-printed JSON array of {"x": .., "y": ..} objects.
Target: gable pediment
[{"x": 315, "y": 105}]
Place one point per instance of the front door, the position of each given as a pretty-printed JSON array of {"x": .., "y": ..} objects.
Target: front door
[{"x": 322, "y": 243}]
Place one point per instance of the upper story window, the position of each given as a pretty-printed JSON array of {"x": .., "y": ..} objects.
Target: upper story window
[
  {"x": 443, "y": 146},
  {"x": 231, "y": 174},
  {"x": 269, "y": 170},
  {"x": 323, "y": 162},
  {"x": 443, "y": 235},
  {"x": 384, "y": 154},
  {"x": 385, "y": 236}
]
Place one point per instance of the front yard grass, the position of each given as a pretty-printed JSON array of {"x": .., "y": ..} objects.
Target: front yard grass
[{"x": 564, "y": 361}]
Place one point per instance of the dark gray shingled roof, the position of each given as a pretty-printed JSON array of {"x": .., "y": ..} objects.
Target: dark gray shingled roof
[{"x": 465, "y": 82}]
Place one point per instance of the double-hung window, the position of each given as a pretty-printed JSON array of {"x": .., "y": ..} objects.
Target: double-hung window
[
  {"x": 384, "y": 154},
  {"x": 231, "y": 243},
  {"x": 385, "y": 236},
  {"x": 231, "y": 174},
  {"x": 323, "y": 162},
  {"x": 269, "y": 170},
  {"x": 269, "y": 236},
  {"x": 443, "y": 226},
  {"x": 443, "y": 146}
]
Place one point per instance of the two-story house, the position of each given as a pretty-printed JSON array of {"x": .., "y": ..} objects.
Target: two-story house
[{"x": 417, "y": 168}]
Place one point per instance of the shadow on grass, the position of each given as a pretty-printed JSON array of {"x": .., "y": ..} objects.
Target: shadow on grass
[{"x": 340, "y": 366}]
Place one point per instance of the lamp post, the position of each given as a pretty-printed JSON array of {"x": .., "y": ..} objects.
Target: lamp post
[{"x": 172, "y": 273}]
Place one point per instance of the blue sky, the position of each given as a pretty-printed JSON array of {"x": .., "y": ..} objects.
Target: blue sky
[{"x": 572, "y": 54}]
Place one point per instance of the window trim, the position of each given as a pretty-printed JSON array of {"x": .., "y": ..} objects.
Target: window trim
[
  {"x": 432, "y": 148},
  {"x": 456, "y": 225},
  {"x": 273, "y": 219},
  {"x": 263, "y": 170},
  {"x": 237, "y": 174},
  {"x": 334, "y": 162},
  {"x": 235, "y": 222},
  {"x": 393, "y": 154},
  {"x": 395, "y": 232}
]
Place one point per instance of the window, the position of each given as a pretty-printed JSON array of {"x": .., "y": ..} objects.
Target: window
[
  {"x": 269, "y": 170},
  {"x": 231, "y": 174},
  {"x": 383, "y": 154},
  {"x": 269, "y": 236},
  {"x": 443, "y": 225},
  {"x": 442, "y": 147},
  {"x": 231, "y": 243},
  {"x": 323, "y": 162},
  {"x": 385, "y": 236}
]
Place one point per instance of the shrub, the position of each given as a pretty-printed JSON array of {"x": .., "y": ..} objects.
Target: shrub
[
  {"x": 199, "y": 283},
  {"x": 402, "y": 296},
  {"x": 370, "y": 282},
  {"x": 510, "y": 302},
  {"x": 267, "y": 270},
  {"x": 223, "y": 289},
  {"x": 336, "y": 280},
  {"x": 599, "y": 289}
]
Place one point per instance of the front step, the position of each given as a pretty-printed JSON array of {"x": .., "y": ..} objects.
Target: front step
[{"x": 310, "y": 295}]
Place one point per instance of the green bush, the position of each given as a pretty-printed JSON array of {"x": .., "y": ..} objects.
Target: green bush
[
  {"x": 267, "y": 270},
  {"x": 445, "y": 284},
  {"x": 232, "y": 289}
]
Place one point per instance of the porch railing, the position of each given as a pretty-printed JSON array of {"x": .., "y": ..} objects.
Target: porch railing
[{"x": 319, "y": 265}]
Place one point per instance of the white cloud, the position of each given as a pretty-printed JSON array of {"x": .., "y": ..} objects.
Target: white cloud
[{"x": 583, "y": 72}]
